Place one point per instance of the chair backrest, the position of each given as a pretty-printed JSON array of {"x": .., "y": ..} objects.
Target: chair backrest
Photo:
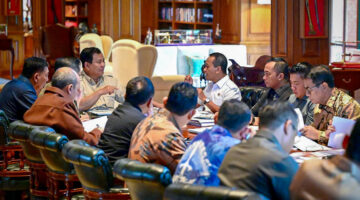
[
  {"x": 145, "y": 181},
  {"x": 4, "y": 125},
  {"x": 50, "y": 145},
  {"x": 91, "y": 165},
  {"x": 131, "y": 58},
  {"x": 57, "y": 41},
  {"x": 21, "y": 132},
  {"x": 179, "y": 191},
  {"x": 91, "y": 40},
  {"x": 107, "y": 43},
  {"x": 246, "y": 76},
  {"x": 251, "y": 94},
  {"x": 163, "y": 84}
]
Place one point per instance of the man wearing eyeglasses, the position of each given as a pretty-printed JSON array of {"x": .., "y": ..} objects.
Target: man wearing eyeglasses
[{"x": 320, "y": 89}]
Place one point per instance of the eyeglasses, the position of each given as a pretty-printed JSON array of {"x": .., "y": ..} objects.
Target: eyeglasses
[{"x": 309, "y": 89}]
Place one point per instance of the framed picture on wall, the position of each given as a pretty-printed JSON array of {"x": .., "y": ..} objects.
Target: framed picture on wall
[
  {"x": 314, "y": 20},
  {"x": 12, "y": 7}
]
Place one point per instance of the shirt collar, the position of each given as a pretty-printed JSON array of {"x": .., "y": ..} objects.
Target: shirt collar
[
  {"x": 269, "y": 135},
  {"x": 220, "y": 131},
  {"x": 89, "y": 79},
  {"x": 282, "y": 89},
  {"x": 59, "y": 92},
  {"x": 331, "y": 101},
  {"x": 24, "y": 79},
  {"x": 130, "y": 104},
  {"x": 222, "y": 81}
]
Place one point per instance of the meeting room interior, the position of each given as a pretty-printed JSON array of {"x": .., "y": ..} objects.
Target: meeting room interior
[{"x": 179, "y": 99}]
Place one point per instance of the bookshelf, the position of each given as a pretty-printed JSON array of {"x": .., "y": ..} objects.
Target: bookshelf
[
  {"x": 185, "y": 14},
  {"x": 76, "y": 11}
]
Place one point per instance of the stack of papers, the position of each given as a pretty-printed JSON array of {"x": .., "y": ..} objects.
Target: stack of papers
[
  {"x": 300, "y": 157},
  {"x": 305, "y": 144},
  {"x": 95, "y": 123},
  {"x": 343, "y": 127},
  {"x": 202, "y": 119},
  {"x": 198, "y": 130}
]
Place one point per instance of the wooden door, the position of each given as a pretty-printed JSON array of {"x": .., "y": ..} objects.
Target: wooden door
[
  {"x": 15, "y": 32},
  {"x": 121, "y": 19},
  {"x": 227, "y": 14}
]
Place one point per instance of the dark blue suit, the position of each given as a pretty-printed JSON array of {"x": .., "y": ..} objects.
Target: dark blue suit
[
  {"x": 17, "y": 97},
  {"x": 116, "y": 138}
]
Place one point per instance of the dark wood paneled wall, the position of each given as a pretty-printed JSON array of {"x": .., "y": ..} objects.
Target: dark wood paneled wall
[{"x": 285, "y": 35}]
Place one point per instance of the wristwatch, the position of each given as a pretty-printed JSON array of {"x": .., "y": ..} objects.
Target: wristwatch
[{"x": 207, "y": 100}]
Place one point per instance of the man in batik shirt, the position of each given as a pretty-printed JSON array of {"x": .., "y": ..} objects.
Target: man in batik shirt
[
  {"x": 332, "y": 102},
  {"x": 202, "y": 159},
  {"x": 158, "y": 138}
]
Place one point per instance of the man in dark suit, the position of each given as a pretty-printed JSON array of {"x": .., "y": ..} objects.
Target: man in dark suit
[{"x": 115, "y": 140}]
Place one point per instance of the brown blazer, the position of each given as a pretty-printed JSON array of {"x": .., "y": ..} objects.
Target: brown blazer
[{"x": 57, "y": 110}]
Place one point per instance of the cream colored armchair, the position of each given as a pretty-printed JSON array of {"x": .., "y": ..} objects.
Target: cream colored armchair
[
  {"x": 162, "y": 85},
  {"x": 107, "y": 43},
  {"x": 131, "y": 58}
]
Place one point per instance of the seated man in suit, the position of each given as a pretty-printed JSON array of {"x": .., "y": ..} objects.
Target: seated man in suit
[
  {"x": 99, "y": 89},
  {"x": 263, "y": 164},
  {"x": 337, "y": 178},
  {"x": 299, "y": 99},
  {"x": 220, "y": 88},
  {"x": 276, "y": 77},
  {"x": 320, "y": 88},
  {"x": 56, "y": 108},
  {"x": 115, "y": 141},
  {"x": 203, "y": 157},
  {"x": 19, "y": 94},
  {"x": 158, "y": 138}
]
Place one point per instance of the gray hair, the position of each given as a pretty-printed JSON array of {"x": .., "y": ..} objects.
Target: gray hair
[{"x": 63, "y": 77}]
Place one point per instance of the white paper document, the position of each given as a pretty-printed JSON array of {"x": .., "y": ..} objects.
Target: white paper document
[
  {"x": 202, "y": 119},
  {"x": 305, "y": 144},
  {"x": 95, "y": 123},
  {"x": 343, "y": 127},
  {"x": 300, "y": 119},
  {"x": 198, "y": 130}
]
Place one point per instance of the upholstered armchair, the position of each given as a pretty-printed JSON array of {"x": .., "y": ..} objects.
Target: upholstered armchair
[
  {"x": 94, "y": 171},
  {"x": 56, "y": 41},
  {"x": 61, "y": 175},
  {"x": 179, "y": 191},
  {"x": 107, "y": 43},
  {"x": 145, "y": 181},
  {"x": 21, "y": 132},
  {"x": 251, "y": 94},
  {"x": 162, "y": 85},
  {"x": 14, "y": 174},
  {"x": 131, "y": 58}
]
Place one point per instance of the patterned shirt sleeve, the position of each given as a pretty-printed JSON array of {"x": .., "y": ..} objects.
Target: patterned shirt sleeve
[{"x": 171, "y": 149}]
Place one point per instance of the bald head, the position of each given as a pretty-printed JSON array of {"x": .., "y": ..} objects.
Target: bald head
[{"x": 63, "y": 77}]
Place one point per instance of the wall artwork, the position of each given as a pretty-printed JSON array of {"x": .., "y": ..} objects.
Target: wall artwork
[
  {"x": 12, "y": 7},
  {"x": 314, "y": 19}
]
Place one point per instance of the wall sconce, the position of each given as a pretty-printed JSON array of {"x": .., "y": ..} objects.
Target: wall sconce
[{"x": 264, "y": 1}]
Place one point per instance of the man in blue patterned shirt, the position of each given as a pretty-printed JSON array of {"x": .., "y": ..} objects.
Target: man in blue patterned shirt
[{"x": 203, "y": 157}]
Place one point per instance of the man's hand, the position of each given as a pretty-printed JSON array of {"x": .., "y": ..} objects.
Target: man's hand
[
  {"x": 310, "y": 132},
  {"x": 201, "y": 94},
  {"x": 188, "y": 79},
  {"x": 330, "y": 129},
  {"x": 109, "y": 89}
]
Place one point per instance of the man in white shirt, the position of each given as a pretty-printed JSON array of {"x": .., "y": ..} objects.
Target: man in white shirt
[{"x": 220, "y": 88}]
